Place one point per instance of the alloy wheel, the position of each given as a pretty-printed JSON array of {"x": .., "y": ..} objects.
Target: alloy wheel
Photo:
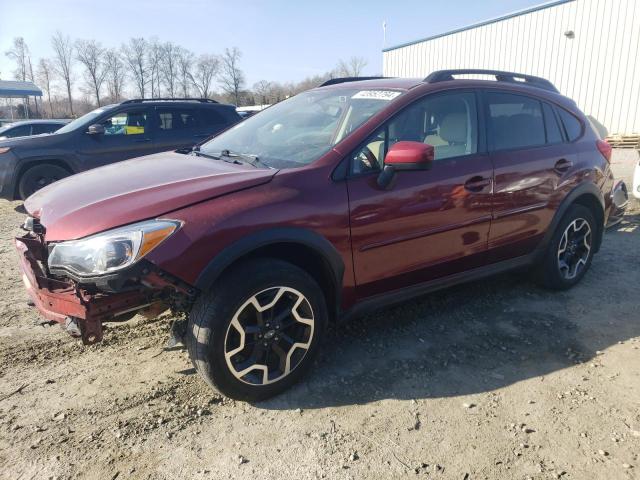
[
  {"x": 574, "y": 248},
  {"x": 269, "y": 335}
]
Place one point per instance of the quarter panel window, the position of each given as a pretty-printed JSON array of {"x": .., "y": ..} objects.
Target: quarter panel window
[
  {"x": 572, "y": 125},
  {"x": 554, "y": 135},
  {"x": 449, "y": 122},
  {"x": 515, "y": 121}
]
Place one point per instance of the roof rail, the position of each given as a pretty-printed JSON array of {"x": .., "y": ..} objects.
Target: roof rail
[
  {"x": 186, "y": 99},
  {"x": 511, "y": 77},
  {"x": 334, "y": 81}
]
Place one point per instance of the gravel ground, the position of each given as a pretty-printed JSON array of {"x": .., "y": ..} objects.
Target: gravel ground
[{"x": 491, "y": 380}]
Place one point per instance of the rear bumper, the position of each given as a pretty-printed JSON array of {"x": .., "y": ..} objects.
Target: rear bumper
[
  {"x": 619, "y": 202},
  {"x": 56, "y": 300}
]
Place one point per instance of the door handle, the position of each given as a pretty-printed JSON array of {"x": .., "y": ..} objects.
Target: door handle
[
  {"x": 563, "y": 165},
  {"x": 143, "y": 140},
  {"x": 477, "y": 183}
]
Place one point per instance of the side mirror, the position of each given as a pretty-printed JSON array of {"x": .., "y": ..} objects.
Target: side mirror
[
  {"x": 96, "y": 129},
  {"x": 405, "y": 156}
]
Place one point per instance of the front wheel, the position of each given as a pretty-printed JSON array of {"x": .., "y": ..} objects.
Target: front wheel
[
  {"x": 39, "y": 176},
  {"x": 570, "y": 251},
  {"x": 257, "y": 331}
]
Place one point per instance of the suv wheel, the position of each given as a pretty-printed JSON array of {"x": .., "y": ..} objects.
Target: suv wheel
[
  {"x": 257, "y": 331},
  {"x": 39, "y": 176},
  {"x": 570, "y": 251}
]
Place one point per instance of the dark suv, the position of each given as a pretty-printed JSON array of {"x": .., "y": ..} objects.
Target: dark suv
[
  {"x": 106, "y": 135},
  {"x": 345, "y": 198}
]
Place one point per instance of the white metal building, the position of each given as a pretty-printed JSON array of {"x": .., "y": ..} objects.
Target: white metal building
[{"x": 588, "y": 48}]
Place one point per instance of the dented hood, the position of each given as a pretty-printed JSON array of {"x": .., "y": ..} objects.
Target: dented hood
[{"x": 134, "y": 190}]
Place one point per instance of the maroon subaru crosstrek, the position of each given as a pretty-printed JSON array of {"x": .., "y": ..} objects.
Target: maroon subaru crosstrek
[{"x": 342, "y": 199}]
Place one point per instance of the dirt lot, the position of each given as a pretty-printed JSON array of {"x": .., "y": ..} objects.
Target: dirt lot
[{"x": 492, "y": 380}]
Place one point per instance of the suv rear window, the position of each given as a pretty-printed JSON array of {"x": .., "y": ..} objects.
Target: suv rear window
[
  {"x": 209, "y": 117},
  {"x": 572, "y": 125},
  {"x": 515, "y": 121},
  {"x": 175, "y": 118}
]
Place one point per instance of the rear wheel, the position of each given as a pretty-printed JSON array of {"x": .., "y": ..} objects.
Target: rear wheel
[
  {"x": 570, "y": 251},
  {"x": 258, "y": 330},
  {"x": 39, "y": 176}
]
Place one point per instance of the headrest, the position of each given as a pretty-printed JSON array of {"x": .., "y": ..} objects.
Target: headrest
[{"x": 453, "y": 128}]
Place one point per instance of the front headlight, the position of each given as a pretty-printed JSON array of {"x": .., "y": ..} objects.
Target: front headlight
[{"x": 112, "y": 250}]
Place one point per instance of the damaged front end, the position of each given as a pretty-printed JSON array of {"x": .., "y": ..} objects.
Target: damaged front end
[{"x": 81, "y": 304}]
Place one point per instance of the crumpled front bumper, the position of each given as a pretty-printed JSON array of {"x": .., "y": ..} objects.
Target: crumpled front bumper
[{"x": 60, "y": 299}]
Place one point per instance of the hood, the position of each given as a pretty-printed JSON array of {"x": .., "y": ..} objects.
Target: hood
[
  {"x": 44, "y": 140},
  {"x": 134, "y": 190}
]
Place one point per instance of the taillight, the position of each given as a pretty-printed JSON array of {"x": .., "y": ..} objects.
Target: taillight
[{"x": 605, "y": 149}]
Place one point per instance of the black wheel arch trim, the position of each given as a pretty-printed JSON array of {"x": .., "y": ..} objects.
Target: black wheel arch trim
[
  {"x": 274, "y": 236},
  {"x": 584, "y": 188}
]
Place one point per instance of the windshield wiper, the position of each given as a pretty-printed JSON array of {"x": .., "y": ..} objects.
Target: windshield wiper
[
  {"x": 252, "y": 160},
  {"x": 215, "y": 157}
]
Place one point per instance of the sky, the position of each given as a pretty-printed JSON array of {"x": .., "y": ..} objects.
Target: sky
[{"x": 280, "y": 40}]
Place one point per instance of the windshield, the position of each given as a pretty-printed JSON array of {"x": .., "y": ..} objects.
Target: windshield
[
  {"x": 300, "y": 130},
  {"x": 87, "y": 119}
]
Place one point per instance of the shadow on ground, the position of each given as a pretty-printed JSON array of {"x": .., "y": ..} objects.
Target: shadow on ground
[{"x": 476, "y": 337}]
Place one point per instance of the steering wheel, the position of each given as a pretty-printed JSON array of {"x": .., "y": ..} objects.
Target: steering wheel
[{"x": 368, "y": 159}]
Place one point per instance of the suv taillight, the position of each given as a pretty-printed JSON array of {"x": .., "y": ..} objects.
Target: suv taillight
[{"x": 605, "y": 149}]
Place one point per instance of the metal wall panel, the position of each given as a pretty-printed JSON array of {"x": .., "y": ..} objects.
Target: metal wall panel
[{"x": 599, "y": 68}]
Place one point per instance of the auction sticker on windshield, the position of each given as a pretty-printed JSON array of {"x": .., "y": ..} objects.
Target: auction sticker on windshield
[{"x": 376, "y": 94}]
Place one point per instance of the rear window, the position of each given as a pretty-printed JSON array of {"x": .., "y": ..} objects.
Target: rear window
[
  {"x": 572, "y": 125},
  {"x": 515, "y": 121}
]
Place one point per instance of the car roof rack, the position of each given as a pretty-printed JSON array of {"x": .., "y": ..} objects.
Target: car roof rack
[
  {"x": 500, "y": 76},
  {"x": 186, "y": 99},
  {"x": 334, "y": 81}
]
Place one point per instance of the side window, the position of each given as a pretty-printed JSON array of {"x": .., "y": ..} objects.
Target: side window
[
  {"x": 515, "y": 121},
  {"x": 126, "y": 123},
  {"x": 39, "y": 128},
  {"x": 176, "y": 119},
  {"x": 572, "y": 125},
  {"x": 448, "y": 122},
  {"x": 554, "y": 135},
  {"x": 209, "y": 117},
  {"x": 21, "y": 131}
]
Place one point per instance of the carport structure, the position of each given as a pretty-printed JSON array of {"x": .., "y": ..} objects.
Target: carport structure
[{"x": 15, "y": 89}]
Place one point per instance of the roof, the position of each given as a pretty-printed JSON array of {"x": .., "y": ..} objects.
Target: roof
[
  {"x": 525, "y": 11},
  {"x": 14, "y": 89}
]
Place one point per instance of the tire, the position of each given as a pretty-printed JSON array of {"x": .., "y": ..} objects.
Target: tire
[
  {"x": 218, "y": 317},
  {"x": 564, "y": 265},
  {"x": 39, "y": 176}
]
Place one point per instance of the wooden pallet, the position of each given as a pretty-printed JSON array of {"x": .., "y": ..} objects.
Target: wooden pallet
[{"x": 624, "y": 141}]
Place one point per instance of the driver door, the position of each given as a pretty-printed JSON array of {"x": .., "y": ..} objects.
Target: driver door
[
  {"x": 128, "y": 134},
  {"x": 429, "y": 223}
]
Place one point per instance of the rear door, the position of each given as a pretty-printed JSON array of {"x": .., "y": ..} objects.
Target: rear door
[
  {"x": 530, "y": 160},
  {"x": 176, "y": 127},
  {"x": 127, "y": 134}
]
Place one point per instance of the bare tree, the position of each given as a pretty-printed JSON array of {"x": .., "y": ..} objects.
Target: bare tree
[
  {"x": 231, "y": 77},
  {"x": 262, "y": 90},
  {"x": 91, "y": 55},
  {"x": 185, "y": 64},
  {"x": 32, "y": 78},
  {"x": 352, "y": 67},
  {"x": 115, "y": 74},
  {"x": 170, "y": 66},
  {"x": 63, "y": 49},
  {"x": 135, "y": 55},
  {"x": 44, "y": 73},
  {"x": 19, "y": 53},
  {"x": 204, "y": 73},
  {"x": 154, "y": 56}
]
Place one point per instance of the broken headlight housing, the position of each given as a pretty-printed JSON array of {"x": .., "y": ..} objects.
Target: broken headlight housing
[{"x": 112, "y": 250}]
